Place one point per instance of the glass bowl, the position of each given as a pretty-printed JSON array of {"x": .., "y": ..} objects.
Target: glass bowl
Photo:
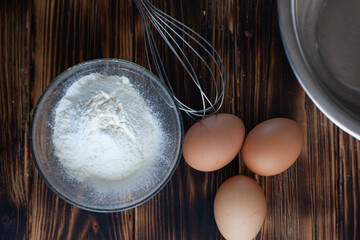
[{"x": 108, "y": 196}]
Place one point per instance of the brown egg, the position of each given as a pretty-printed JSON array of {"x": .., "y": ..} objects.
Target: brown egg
[
  {"x": 239, "y": 208},
  {"x": 213, "y": 142},
  {"x": 272, "y": 146}
]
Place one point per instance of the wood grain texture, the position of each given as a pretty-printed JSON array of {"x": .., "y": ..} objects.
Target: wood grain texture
[
  {"x": 317, "y": 198},
  {"x": 64, "y": 34},
  {"x": 14, "y": 116}
]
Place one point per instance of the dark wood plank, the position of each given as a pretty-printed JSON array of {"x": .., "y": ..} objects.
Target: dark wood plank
[
  {"x": 66, "y": 33},
  {"x": 269, "y": 89},
  {"x": 307, "y": 201},
  {"x": 14, "y": 117},
  {"x": 317, "y": 198},
  {"x": 184, "y": 208}
]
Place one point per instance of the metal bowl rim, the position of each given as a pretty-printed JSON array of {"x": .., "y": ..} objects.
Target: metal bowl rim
[{"x": 300, "y": 68}]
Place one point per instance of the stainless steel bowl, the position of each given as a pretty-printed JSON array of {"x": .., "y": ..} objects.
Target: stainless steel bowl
[{"x": 321, "y": 39}]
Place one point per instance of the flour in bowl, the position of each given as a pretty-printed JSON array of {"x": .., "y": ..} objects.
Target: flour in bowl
[{"x": 103, "y": 129}]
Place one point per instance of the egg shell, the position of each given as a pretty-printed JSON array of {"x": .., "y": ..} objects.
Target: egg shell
[
  {"x": 213, "y": 142},
  {"x": 272, "y": 146},
  {"x": 240, "y": 208}
]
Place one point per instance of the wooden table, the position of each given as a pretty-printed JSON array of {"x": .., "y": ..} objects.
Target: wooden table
[{"x": 317, "y": 198}]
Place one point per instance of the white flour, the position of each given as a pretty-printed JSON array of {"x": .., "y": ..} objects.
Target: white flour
[{"x": 103, "y": 129}]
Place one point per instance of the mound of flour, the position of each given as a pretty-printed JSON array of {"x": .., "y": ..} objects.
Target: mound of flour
[{"x": 103, "y": 129}]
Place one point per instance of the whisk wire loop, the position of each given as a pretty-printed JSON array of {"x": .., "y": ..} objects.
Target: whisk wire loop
[{"x": 165, "y": 26}]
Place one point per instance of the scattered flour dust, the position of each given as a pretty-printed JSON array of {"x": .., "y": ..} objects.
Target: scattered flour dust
[{"x": 103, "y": 129}]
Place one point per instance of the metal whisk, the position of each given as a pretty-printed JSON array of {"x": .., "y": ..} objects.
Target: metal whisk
[{"x": 172, "y": 31}]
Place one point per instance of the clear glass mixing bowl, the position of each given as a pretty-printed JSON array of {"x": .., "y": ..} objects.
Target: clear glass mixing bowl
[{"x": 126, "y": 193}]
